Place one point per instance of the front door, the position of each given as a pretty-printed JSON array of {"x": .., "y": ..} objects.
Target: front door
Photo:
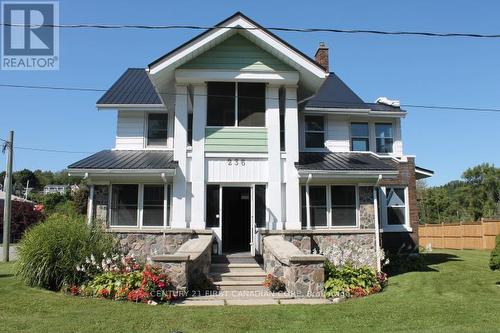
[{"x": 236, "y": 217}]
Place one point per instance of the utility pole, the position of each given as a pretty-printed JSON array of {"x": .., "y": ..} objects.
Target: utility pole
[{"x": 8, "y": 195}]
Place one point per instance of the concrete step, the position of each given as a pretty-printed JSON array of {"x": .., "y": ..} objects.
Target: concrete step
[
  {"x": 253, "y": 275},
  {"x": 238, "y": 283},
  {"x": 233, "y": 259},
  {"x": 228, "y": 289}
]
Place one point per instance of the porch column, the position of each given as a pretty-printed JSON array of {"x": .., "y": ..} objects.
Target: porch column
[
  {"x": 273, "y": 197},
  {"x": 90, "y": 205},
  {"x": 198, "y": 157},
  {"x": 180, "y": 144},
  {"x": 292, "y": 156}
]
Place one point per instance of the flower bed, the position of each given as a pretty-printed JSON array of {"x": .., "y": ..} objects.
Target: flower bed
[
  {"x": 351, "y": 282},
  {"x": 123, "y": 278}
]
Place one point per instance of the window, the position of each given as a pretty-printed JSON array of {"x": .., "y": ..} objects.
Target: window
[
  {"x": 315, "y": 131},
  {"x": 154, "y": 196},
  {"x": 100, "y": 203},
  {"x": 190, "y": 130},
  {"x": 360, "y": 137},
  {"x": 236, "y": 104},
  {"x": 317, "y": 206},
  {"x": 251, "y": 104},
  {"x": 157, "y": 129},
  {"x": 212, "y": 210},
  {"x": 396, "y": 207},
  {"x": 260, "y": 206},
  {"x": 220, "y": 103},
  {"x": 343, "y": 206},
  {"x": 124, "y": 205},
  {"x": 384, "y": 138}
]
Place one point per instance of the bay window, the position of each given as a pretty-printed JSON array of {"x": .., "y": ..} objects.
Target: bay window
[
  {"x": 384, "y": 138},
  {"x": 236, "y": 104},
  {"x": 360, "y": 137},
  {"x": 314, "y": 131}
]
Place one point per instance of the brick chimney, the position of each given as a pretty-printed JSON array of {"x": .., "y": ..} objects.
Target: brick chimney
[{"x": 322, "y": 56}]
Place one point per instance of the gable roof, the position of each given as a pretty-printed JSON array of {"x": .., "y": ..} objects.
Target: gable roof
[
  {"x": 223, "y": 24},
  {"x": 133, "y": 87}
]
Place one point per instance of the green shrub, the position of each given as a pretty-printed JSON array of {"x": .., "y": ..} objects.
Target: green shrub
[
  {"x": 399, "y": 263},
  {"x": 349, "y": 281},
  {"x": 50, "y": 252},
  {"x": 495, "y": 255}
]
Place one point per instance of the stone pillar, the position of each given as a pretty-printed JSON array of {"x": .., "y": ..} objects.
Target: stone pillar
[
  {"x": 180, "y": 144},
  {"x": 198, "y": 157},
  {"x": 292, "y": 156},
  {"x": 273, "y": 195}
]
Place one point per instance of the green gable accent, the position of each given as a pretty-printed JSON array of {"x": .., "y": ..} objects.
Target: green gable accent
[
  {"x": 236, "y": 140},
  {"x": 237, "y": 53}
]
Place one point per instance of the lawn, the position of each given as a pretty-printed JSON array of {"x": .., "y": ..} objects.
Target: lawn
[{"x": 458, "y": 293}]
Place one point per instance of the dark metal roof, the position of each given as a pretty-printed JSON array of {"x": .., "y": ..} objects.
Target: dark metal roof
[
  {"x": 223, "y": 24},
  {"x": 133, "y": 87},
  {"x": 334, "y": 93},
  {"x": 128, "y": 160},
  {"x": 342, "y": 162}
]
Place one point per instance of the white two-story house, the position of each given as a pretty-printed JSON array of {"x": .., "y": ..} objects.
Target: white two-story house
[{"x": 239, "y": 134}]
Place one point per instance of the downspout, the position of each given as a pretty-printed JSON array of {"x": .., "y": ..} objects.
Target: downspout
[
  {"x": 308, "y": 206},
  {"x": 377, "y": 228}
]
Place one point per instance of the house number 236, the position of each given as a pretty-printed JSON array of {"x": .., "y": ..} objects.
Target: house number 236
[{"x": 235, "y": 161}]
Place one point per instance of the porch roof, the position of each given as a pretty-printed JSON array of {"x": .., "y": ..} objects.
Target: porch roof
[
  {"x": 343, "y": 162},
  {"x": 127, "y": 160}
]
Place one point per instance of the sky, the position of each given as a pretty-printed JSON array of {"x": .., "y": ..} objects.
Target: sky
[{"x": 415, "y": 70}]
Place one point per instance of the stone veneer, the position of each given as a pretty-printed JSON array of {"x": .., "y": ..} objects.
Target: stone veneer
[
  {"x": 355, "y": 247},
  {"x": 146, "y": 243},
  {"x": 366, "y": 207},
  {"x": 303, "y": 275}
]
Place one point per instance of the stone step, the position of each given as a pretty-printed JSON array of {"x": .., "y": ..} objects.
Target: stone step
[
  {"x": 238, "y": 283},
  {"x": 226, "y": 268},
  {"x": 233, "y": 259},
  {"x": 231, "y": 289},
  {"x": 239, "y": 276}
]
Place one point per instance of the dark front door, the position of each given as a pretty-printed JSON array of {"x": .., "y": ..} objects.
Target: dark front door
[{"x": 235, "y": 219}]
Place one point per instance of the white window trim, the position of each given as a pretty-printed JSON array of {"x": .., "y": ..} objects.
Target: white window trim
[
  {"x": 383, "y": 207},
  {"x": 140, "y": 208},
  {"x": 324, "y": 132},
  {"x": 351, "y": 137},
  {"x": 146, "y": 144},
  {"x": 329, "y": 213},
  {"x": 376, "y": 137},
  {"x": 236, "y": 119}
]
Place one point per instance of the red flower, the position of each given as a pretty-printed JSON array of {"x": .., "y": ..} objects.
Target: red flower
[
  {"x": 161, "y": 285},
  {"x": 104, "y": 293},
  {"x": 74, "y": 290}
]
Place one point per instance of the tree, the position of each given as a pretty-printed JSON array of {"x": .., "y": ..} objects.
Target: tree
[{"x": 24, "y": 176}]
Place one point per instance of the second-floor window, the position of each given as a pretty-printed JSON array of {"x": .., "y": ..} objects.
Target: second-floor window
[
  {"x": 315, "y": 131},
  {"x": 157, "y": 129},
  {"x": 236, "y": 104},
  {"x": 384, "y": 138},
  {"x": 360, "y": 137}
]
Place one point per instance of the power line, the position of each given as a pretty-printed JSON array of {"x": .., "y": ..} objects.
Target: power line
[
  {"x": 300, "y": 30},
  {"x": 420, "y": 106},
  {"x": 54, "y": 150}
]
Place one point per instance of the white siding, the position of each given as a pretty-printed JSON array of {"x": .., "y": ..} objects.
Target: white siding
[
  {"x": 130, "y": 130},
  {"x": 337, "y": 135},
  {"x": 219, "y": 170}
]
